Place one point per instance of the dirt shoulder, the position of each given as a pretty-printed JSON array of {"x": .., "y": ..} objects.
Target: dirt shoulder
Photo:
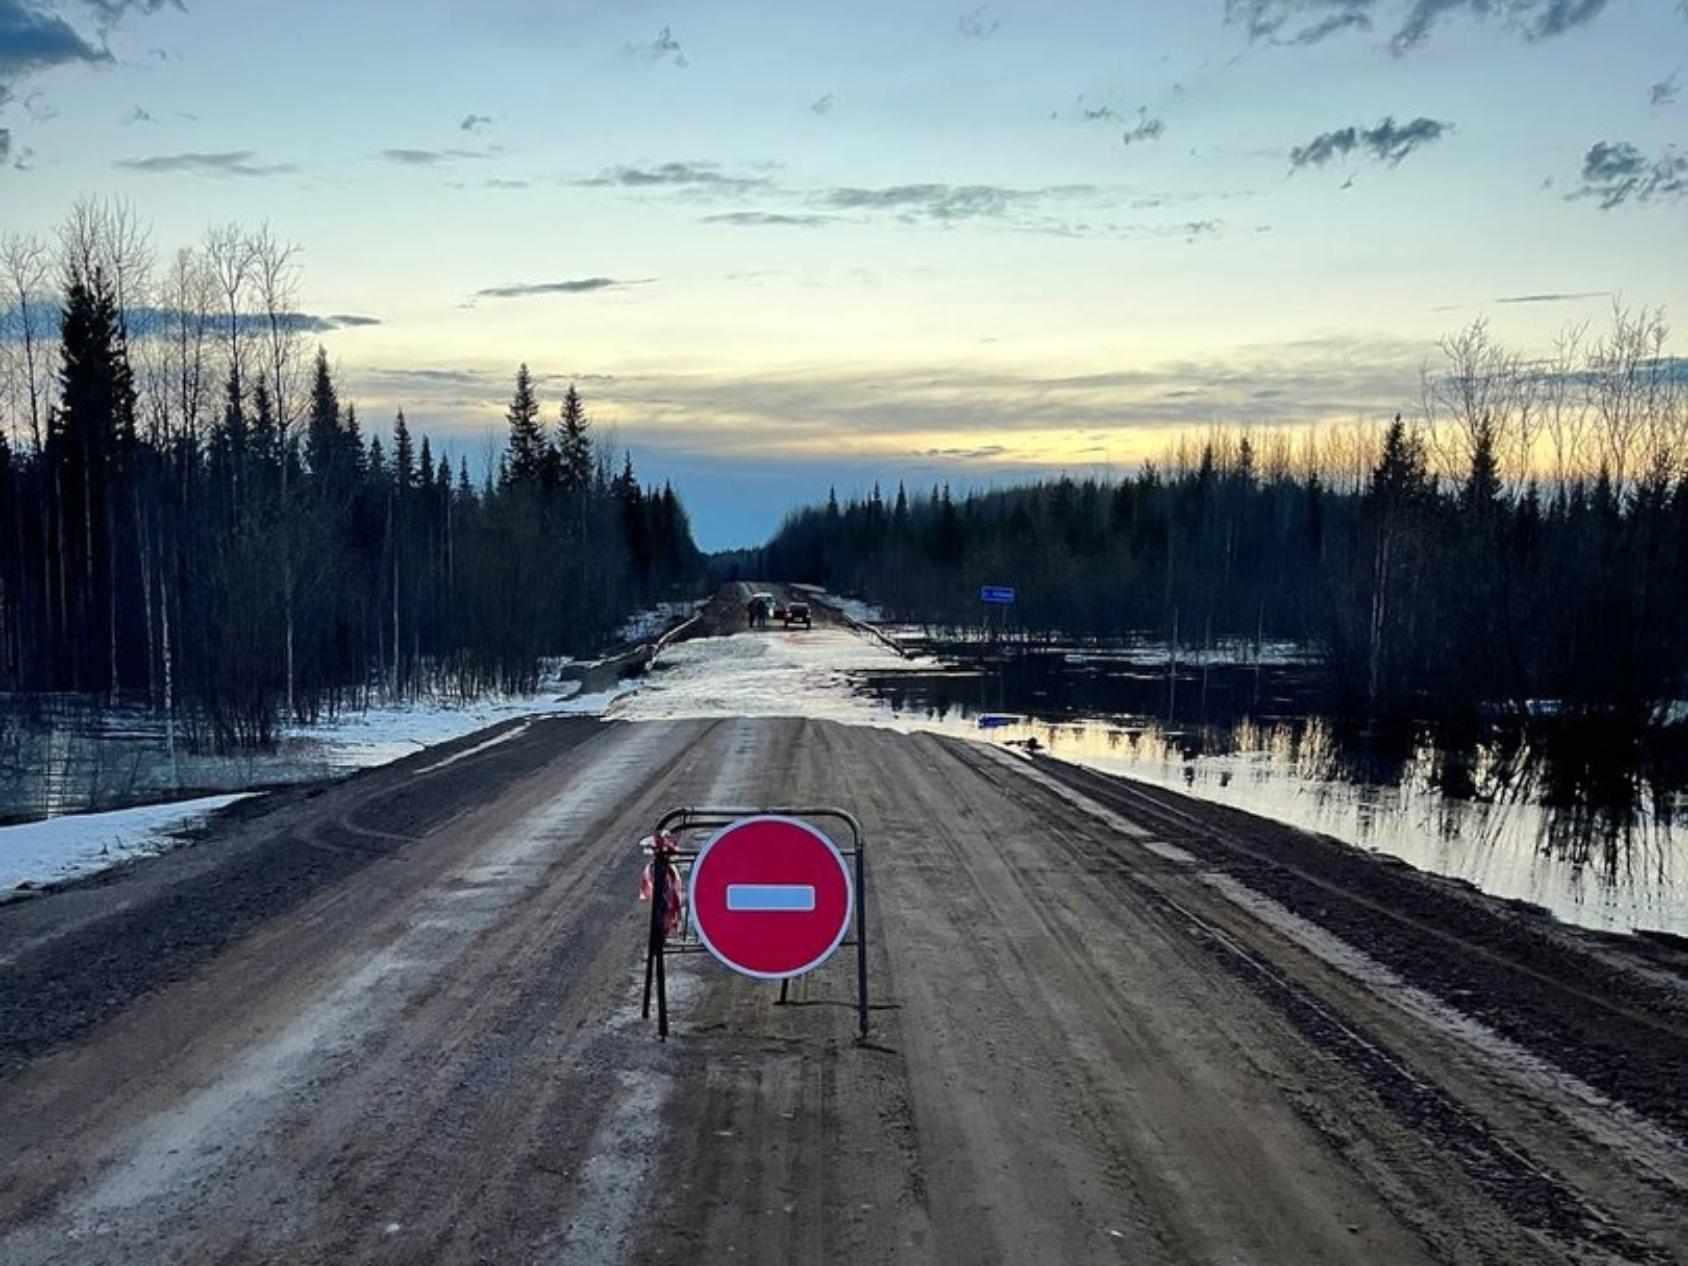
[{"x": 1611, "y": 1011}]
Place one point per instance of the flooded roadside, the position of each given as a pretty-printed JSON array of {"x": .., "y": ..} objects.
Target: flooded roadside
[
  {"x": 68, "y": 755},
  {"x": 1581, "y": 825}
]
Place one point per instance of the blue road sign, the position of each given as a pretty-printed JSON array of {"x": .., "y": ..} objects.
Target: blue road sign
[{"x": 1001, "y": 595}]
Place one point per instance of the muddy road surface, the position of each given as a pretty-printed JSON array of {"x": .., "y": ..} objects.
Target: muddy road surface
[{"x": 396, "y": 1020}]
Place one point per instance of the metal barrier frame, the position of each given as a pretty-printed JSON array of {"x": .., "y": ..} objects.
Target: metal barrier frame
[{"x": 711, "y": 818}]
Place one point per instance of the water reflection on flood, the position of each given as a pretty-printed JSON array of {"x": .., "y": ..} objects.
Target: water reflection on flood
[
  {"x": 1491, "y": 808},
  {"x": 68, "y": 755}
]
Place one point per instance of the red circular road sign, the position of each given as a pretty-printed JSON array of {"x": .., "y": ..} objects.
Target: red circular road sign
[{"x": 771, "y": 896}]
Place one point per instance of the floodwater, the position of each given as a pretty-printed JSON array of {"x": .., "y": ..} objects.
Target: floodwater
[
  {"x": 67, "y": 755},
  {"x": 1581, "y": 825},
  {"x": 64, "y": 754}
]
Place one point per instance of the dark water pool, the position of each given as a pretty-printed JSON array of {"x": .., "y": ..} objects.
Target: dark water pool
[{"x": 1577, "y": 818}]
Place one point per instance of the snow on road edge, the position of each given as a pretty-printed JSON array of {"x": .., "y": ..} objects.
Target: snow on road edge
[{"x": 69, "y": 847}]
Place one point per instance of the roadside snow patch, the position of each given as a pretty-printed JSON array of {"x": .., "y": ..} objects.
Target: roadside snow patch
[
  {"x": 80, "y": 844},
  {"x": 386, "y": 734},
  {"x": 478, "y": 748},
  {"x": 648, "y": 624},
  {"x": 855, "y": 608}
]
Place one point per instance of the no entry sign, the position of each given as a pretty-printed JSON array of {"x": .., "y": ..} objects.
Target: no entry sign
[{"x": 771, "y": 896}]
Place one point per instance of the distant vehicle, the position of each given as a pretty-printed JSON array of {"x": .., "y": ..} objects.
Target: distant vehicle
[
  {"x": 798, "y": 613},
  {"x": 760, "y": 609}
]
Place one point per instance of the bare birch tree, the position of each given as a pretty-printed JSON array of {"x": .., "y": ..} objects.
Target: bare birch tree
[
  {"x": 229, "y": 257},
  {"x": 276, "y": 271}
]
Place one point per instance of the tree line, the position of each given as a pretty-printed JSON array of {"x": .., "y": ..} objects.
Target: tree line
[
  {"x": 191, "y": 517},
  {"x": 1522, "y": 539}
]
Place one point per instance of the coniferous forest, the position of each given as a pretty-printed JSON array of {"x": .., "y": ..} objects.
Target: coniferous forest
[
  {"x": 192, "y": 516},
  {"x": 1520, "y": 542}
]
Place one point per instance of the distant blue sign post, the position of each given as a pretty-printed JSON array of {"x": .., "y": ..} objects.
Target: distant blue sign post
[{"x": 997, "y": 595}]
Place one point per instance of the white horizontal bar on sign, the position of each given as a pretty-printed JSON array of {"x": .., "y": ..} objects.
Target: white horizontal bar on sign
[{"x": 792, "y": 898}]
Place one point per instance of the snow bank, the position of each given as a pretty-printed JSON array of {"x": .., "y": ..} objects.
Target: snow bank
[
  {"x": 64, "y": 848},
  {"x": 646, "y": 625},
  {"x": 386, "y": 734},
  {"x": 855, "y": 608}
]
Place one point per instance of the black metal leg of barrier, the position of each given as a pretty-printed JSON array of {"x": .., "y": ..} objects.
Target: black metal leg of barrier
[
  {"x": 661, "y": 994},
  {"x": 650, "y": 968},
  {"x": 653, "y": 944},
  {"x": 785, "y": 988},
  {"x": 861, "y": 938}
]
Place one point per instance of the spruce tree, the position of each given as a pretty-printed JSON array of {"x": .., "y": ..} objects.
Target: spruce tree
[
  {"x": 404, "y": 456},
  {"x": 574, "y": 446},
  {"x": 322, "y": 426},
  {"x": 527, "y": 432}
]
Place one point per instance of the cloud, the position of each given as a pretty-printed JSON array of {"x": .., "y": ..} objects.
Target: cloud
[
  {"x": 981, "y": 453},
  {"x": 769, "y": 219},
  {"x": 108, "y": 13},
  {"x": 5, "y": 144},
  {"x": 34, "y": 39},
  {"x": 146, "y": 320},
  {"x": 140, "y": 114},
  {"x": 1666, "y": 91},
  {"x": 1615, "y": 172},
  {"x": 823, "y": 104},
  {"x": 978, "y": 24},
  {"x": 704, "y": 174},
  {"x": 494, "y": 182},
  {"x": 226, "y": 163},
  {"x": 1310, "y": 21},
  {"x": 35, "y": 35},
  {"x": 1029, "y": 413},
  {"x": 1388, "y": 142},
  {"x": 425, "y": 376},
  {"x": 1556, "y": 296},
  {"x": 1326, "y": 27},
  {"x": 583, "y": 285},
  {"x": 943, "y": 203},
  {"x": 474, "y": 122},
  {"x": 1073, "y": 211},
  {"x": 1148, "y": 128},
  {"x": 664, "y": 48},
  {"x": 430, "y": 157}
]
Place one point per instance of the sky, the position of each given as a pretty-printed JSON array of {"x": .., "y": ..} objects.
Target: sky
[{"x": 787, "y": 246}]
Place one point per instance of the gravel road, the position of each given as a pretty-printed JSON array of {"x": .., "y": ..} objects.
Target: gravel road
[{"x": 396, "y": 1020}]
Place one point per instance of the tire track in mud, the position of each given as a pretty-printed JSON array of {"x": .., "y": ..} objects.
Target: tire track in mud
[
  {"x": 1623, "y": 1032},
  {"x": 1529, "y": 1191},
  {"x": 481, "y": 1038},
  {"x": 415, "y": 1047},
  {"x": 1043, "y": 1010},
  {"x": 754, "y": 1106},
  {"x": 55, "y": 995}
]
